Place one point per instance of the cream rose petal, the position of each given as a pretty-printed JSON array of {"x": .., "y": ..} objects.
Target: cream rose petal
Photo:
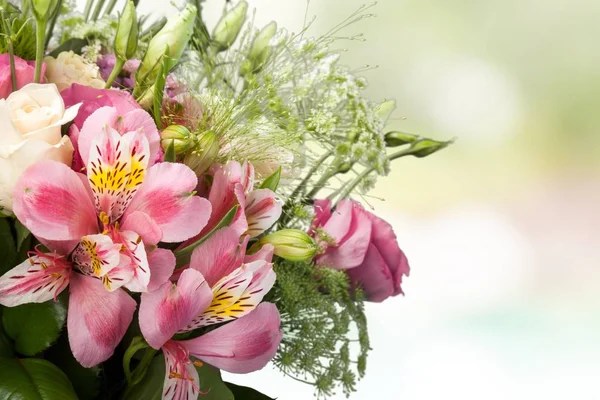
[{"x": 9, "y": 135}]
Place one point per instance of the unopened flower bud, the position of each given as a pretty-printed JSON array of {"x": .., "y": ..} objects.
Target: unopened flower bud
[
  {"x": 170, "y": 42},
  {"x": 179, "y": 135},
  {"x": 126, "y": 39},
  {"x": 395, "y": 138},
  {"x": 260, "y": 50},
  {"x": 43, "y": 9},
  {"x": 425, "y": 147},
  {"x": 229, "y": 27},
  {"x": 204, "y": 153},
  {"x": 291, "y": 244}
]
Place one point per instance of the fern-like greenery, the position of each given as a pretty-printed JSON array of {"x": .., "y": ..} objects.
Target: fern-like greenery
[{"x": 24, "y": 42}]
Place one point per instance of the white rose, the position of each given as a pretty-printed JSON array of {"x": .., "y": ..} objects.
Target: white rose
[
  {"x": 70, "y": 68},
  {"x": 30, "y": 130}
]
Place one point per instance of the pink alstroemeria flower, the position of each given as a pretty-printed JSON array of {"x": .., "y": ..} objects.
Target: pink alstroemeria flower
[
  {"x": 233, "y": 184},
  {"x": 220, "y": 285},
  {"x": 99, "y": 226}
]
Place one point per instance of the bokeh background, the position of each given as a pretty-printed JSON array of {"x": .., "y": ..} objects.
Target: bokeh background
[{"x": 502, "y": 229}]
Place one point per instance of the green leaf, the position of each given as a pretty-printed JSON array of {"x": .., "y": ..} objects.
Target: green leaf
[
  {"x": 159, "y": 89},
  {"x": 150, "y": 388},
  {"x": 8, "y": 249},
  {"x": 22, "y": 233},
  {"x": 272, "y": 182},
  {"x": 75, "y": 44},
  {"x": 86, "y": 381},
  {"x": 34, "y": 327},
  {"x": 212, "y": 384},
  {"x": 170, "y": 152},
  {"x": 33, "y": 379},
  {"x": 246, "y": 393},
  {"x": 6, "y": 346},
  {"x": 184, "y": 255}
]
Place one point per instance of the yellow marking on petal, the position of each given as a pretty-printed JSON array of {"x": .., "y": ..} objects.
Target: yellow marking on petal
[{"x": 107, "y": 282}]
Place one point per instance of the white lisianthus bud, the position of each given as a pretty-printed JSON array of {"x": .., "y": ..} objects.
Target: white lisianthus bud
[
  {"x": 126, "y": 39},
  {"x": 204, "y": 154},
  {"x": 291, "y": 244},
  {"x": 229, "y": 27},
  {"x": 170, "y": 41}
]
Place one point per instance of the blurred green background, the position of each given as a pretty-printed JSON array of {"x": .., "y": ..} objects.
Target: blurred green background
[{"x": 501, "y": 229}]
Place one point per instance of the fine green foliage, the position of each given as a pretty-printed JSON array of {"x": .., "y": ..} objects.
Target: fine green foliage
[
  {"x": 22, "y": 30},
  {"x": 325, "y": 341}
]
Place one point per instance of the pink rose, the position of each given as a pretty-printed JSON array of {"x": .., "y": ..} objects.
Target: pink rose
[
  {"x": 363, "y": 244},
  {"x": 25, "y": 71}
]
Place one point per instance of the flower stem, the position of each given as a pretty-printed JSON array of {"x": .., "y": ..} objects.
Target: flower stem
[
  {"x": 119, "y": 63},
  {"x": 97, "y": 10},
  {"x": 13, "y": 71},
  {"x": 310, "y": 173},
  {"x": 53, "y": 22},
  {"x": 39, "y": 54},
  {"x": 88, "y": 9},
  {"x": 110, "y": 7}
]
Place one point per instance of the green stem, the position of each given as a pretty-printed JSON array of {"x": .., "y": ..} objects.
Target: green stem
[
  {"x": 110, "y": 7},
  {"x": 310, "y": 173},
  {"x": 39, "y": 54},
  {"x": 13, "y": 71},
  {"x": 119, "y": 63},
  {"x": 333, "y": 169},
  {"x": 97, "y": 10},
  {"x": 53, "y": 22},
  {"x": 88, "y": 9},
  {"x": 354, "y": 183}
]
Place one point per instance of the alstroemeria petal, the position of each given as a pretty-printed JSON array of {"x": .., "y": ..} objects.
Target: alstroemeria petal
[
  {"x": 140, "y": 120},
  {"x": 97, "y": 319},
  {"x": 238, "y": 294},
  {"x": 166, "y": 196},
  {"x": 52, "y": 202},
  {"x": 162, "y": 265},
  {"x": 143, "y": 225},
  {"x": 262, "y": 211},
  {"x": 220, "y": 255},
  {"x": 181, "y": 378},
  {"x": 38, "y": 279},
  {"x": 170, "y": 308},
  {"x": 135, "y": 257},
  {"x": 242, "y": 346},
  {"x": 96, "y": 255}
]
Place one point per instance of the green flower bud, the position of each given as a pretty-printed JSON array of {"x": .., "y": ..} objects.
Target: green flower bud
[
  {"x": 384, "y": 110},
  {"x": 395, "y": 138},
  {"x": 180, "y": 136},
  {"x": 204, "y": 153},
  {"x": 229, "y": 27},
  {"x": 426, "y": 147},
  {"x": 126, "y": 39},
  {"x": 260, "y": 50},
  {"x": 291, "y": 244},
  {"x": 43, "y": 9},
  {"x": 170, "y": 42}
]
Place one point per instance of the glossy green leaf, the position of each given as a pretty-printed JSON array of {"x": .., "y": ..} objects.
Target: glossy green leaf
[
  {"x": 33, "y": 379},
  {"x": 8, "y": 249},
  {"x": 6, "y": 345},
  {"x": 212, "y": 384},
  {"x": 246, "y": 393},
  {"x": 34, "y": 327},
  {"x": 151, "y": 386},
  {"x": 75, "y": 45},
  {"x": 22, "y": 234},
  {"x": 86, "y": 381}
]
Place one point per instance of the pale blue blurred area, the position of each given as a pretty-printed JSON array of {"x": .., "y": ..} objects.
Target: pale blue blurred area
[{"x": 502, "y": 230}]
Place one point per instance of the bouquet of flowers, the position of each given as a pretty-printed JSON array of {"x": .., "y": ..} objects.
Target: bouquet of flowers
[{"x": 176, "y": 201}]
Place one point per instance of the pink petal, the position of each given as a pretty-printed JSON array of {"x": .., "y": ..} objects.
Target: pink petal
[
  {"x": 322, "y": 210},
  {"x": 223, "y": 194},
  {"x": 181, "y": 377},
  {"x": 265, "y": 253},
  {"x": 247, "y": 177},
  {"x": 219, "y": 256},
  {"x": 52, "y": 202},
  {"x": 94, "y": 125},
  {"x": 135, "y": 259},
  {"x": 166, "y": 196},
  {"x": 339, "y": 224},
  {"x": 97, "y": 319},
  {"x": 140, "y": 120},
  {"x": 38, "y": 279},
  {"x": 162, "y": 265},
  {"x": 170, "y": 308},
  {"x": 242, "y": 346},
  {"x": 96, "y": 255},
  {"x": 143, "y": 225},
  {"x": 373, "y": 276},
  {"x": 262, "y": 211},
  {"x": 237, "y": 294},
  {"x": 384, "y": 238},
  {"x": 352, "y": 248}
]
